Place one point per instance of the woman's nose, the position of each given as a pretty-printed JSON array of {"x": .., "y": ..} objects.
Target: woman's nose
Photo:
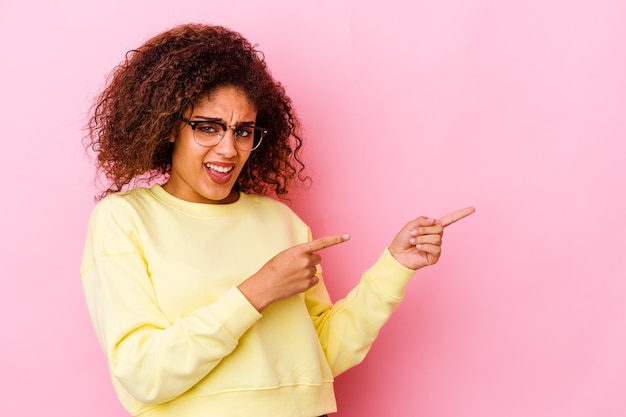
[{"x": 227, "y": 146}]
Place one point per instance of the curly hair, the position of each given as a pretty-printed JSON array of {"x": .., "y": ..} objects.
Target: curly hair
[{"x": 139, "y": 110}]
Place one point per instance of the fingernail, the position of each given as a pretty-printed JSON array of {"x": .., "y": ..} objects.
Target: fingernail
[{"x": 345, "y": 236}]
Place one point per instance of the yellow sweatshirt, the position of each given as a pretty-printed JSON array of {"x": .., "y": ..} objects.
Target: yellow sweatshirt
[{"x": 160, "y": 277}]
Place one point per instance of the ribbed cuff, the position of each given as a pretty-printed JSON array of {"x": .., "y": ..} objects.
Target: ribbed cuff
[
  {"x": 388, "y": 275},
  {"x": 235, "y": 312}
]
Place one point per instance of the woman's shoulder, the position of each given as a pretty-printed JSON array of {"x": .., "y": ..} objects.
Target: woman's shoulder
[
  {"x": 120, "y": 204},
  {"x": 272, "y": 205},
  {"x": 267, "y": 202}
]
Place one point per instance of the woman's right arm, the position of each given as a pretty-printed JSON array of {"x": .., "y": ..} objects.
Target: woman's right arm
[{"x": 153, "y": 358}]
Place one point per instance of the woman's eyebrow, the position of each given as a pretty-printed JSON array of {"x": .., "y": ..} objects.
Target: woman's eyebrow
[
  {"x": 209, "y": 119},
  {"x": 219, "y": 120}
]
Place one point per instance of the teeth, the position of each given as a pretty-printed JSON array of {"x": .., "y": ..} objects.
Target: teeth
[{"x": 218, "y": 168}]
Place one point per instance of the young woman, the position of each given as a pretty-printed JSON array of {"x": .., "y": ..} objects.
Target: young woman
[{"x": 205, "y": 293}]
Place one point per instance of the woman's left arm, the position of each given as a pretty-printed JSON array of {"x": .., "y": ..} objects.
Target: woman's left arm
[{"x": 348, "y": 329}]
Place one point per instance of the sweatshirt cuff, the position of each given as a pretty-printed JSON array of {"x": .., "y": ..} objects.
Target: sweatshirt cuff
[
  {"x": 235, "y": 312},
  {"x": 388, "y": 275}
]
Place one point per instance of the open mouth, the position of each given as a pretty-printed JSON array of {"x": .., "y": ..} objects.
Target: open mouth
[{"x": 220, "y": 174}]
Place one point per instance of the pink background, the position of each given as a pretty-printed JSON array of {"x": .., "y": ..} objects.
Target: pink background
[{"x": 410, "y": 108}]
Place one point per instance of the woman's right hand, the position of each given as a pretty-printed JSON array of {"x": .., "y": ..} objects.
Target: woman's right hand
[{"x": 291, "y": 272}]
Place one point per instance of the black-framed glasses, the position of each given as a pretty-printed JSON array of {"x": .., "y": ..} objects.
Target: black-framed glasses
[{"x": 210, "y": 133}]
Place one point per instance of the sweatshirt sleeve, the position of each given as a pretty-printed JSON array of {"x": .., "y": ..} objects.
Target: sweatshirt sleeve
[
  {"x": 348, "y": 329},
  {"x": 153, "y": 359}
]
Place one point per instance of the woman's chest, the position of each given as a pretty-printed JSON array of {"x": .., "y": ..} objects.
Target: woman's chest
[{"x": 195, "y": 262}]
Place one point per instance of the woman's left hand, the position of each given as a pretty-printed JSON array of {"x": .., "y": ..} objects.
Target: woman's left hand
[{"x": 418, "y": 244}]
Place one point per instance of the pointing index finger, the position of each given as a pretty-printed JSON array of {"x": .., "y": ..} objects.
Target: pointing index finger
[
  {"x": 325, "y": 242},
  {"x": 450, "y": 218}
]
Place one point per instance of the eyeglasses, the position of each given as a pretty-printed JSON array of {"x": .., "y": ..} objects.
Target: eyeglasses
[{"x": 210, "y": 133}]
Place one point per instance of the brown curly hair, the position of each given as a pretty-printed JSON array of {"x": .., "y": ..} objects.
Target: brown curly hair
[{"x": 139, "y": 110}]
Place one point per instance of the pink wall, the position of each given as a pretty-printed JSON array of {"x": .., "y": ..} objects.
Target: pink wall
[{"x": 413, "y": 107}]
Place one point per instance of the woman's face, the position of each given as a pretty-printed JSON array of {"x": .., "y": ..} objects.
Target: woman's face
[{"x": 208, "y": 174}]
